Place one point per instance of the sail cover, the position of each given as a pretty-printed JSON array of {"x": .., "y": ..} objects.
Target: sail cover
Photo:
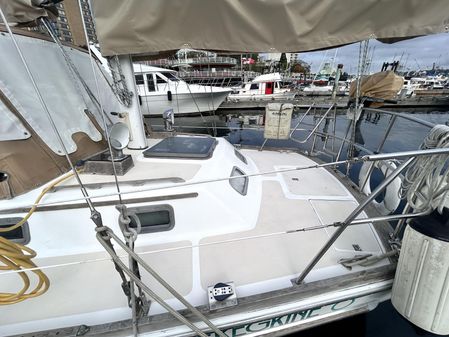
[
  {"x": 148, "y": 26},
  {"x": 25, "y": 12}
]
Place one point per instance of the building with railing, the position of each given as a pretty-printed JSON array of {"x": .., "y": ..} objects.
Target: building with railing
[
  {"x": 206, "y": 68},
  {"x": 197, "y": 62}
]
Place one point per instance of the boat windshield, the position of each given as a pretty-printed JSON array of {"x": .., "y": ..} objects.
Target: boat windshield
[{"x": 170, "y": 76}]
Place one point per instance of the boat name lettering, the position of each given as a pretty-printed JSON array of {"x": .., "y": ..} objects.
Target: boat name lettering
[{"x": 285, "y": 319}]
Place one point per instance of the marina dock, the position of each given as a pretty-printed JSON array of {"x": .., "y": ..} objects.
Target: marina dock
[{"x": 411, "y": 104}]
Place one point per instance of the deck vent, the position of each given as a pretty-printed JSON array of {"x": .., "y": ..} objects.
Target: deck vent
[{"x": 222, "y": 295}]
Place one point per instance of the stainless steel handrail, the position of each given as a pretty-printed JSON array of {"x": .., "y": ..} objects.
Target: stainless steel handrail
[{"x": 313, "y": 130}]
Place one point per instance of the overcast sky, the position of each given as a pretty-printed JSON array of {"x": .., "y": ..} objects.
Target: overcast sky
[{"x": 418, "y": 53}]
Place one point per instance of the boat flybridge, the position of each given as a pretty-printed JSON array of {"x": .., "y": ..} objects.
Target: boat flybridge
[
  {"x": 107, "y": 232},
  {"x": 161, "y": 90},
  {"x": 266, "y": 87}
]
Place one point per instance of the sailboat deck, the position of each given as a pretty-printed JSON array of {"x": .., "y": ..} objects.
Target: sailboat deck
[
  {"x": 290, "y": 201},
  {"x": 219, "y": 234}
]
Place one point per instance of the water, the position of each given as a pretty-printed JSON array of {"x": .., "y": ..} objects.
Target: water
[{"x": 406, "y": 135}]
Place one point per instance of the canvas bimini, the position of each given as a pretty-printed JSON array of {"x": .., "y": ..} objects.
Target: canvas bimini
[{"x": 113, "y": 233}]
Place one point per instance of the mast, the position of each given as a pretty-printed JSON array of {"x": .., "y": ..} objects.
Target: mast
[{"x": 135, "y": 117}]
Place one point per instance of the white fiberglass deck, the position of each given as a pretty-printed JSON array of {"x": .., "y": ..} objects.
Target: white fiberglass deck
[
  {"x": 216, "y": 237},
  {"x": 289, "y": 201}
]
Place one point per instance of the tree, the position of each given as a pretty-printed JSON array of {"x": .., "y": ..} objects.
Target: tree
[{"x": 283, "y": 62}]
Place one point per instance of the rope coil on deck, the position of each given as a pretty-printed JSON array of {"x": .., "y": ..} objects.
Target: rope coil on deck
[
  {"x": 425, "y": 184},
  {"x": 17, "y": 257}
]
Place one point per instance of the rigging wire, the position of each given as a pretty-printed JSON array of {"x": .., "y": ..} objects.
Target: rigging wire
[
  {"x": 199, "y": 245},
  {"x": 105, "y": 125},
  {"x": 198, "y": 182},
  {"x": 73, "y": 70},
  {"x": 131, "y": 295}
]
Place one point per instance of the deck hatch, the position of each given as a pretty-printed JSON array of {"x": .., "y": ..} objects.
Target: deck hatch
[{"x": 182, "y": 147}]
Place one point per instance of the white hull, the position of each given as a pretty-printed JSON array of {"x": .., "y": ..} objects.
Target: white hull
[
  {"x": 182, "y": 104},
  {"x": 261, "y": 97}
]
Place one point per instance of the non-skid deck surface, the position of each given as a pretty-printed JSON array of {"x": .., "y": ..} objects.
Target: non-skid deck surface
[{"x": 312, "y": 198}]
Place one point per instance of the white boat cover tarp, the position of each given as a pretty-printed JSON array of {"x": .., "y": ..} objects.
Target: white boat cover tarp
[{"x": 149, "y": 26}]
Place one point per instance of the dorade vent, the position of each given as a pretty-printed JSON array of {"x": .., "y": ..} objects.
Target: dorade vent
[{"x": 183, "y": 148}]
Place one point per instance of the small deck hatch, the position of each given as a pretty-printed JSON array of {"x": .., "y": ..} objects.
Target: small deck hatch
[{"x": 182, "y": 147}]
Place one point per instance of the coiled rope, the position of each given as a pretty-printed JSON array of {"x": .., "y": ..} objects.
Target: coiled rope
[
  {"x": 17, "y": 257},
  {"x": 425, "y": 184}
]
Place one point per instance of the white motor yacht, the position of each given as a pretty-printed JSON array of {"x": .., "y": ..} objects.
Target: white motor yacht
[
  {"x": 265, "y": 87},
  {"x": 161, "y": 90}
]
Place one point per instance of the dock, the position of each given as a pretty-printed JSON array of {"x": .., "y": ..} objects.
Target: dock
[{"x": 411, "y": 104}]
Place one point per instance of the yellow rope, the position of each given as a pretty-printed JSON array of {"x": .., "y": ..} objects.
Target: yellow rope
[{"x": 14, "y": 256}]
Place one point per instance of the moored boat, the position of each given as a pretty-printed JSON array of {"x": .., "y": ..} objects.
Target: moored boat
[
  {"x": 265, "y": 87},
  {"x": 160, "y": 90}
]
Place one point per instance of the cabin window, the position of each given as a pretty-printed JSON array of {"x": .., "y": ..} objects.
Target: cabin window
[
  {"x": 151, "y": 219},
  {"x": 254, "y": 86},
  {"x": 239, "y": 184},
  {"x": 170, "y": 76},
  {"x": 276, "y": 85},
  {"x": 139, "y": 80},
  {"x": 160, "y": 80},
  {"x": 19, "y": 235},
  {"x": 150, "y": 83},
  {"x": 240, "y": 156}
]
